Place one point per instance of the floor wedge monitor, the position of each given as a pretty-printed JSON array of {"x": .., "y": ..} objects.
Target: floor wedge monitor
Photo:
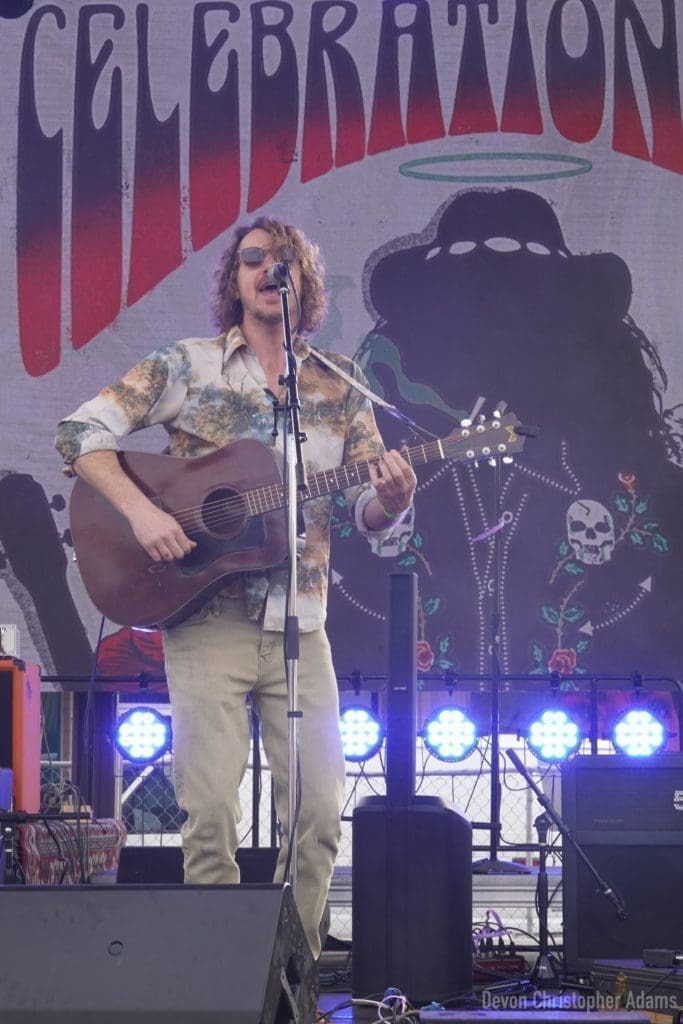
[{"x": 134, "y": 954}]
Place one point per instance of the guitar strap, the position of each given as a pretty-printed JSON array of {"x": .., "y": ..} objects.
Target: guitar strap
[
  {"x": 391, "y": 409},
  {"x": 366, "y": 392}
]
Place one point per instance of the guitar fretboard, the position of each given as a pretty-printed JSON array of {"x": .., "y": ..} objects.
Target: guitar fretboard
[
  {"x": 329, "y": 481},
  {"x": 484, "y": 440}
]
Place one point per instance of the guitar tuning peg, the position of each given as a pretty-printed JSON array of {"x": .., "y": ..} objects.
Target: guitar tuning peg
[
  {"x": 507, "y": 459},
  {"x": 481, "y": 418},
  {"x": 466, "y": 422},
  {"x": 67, "y": 539},
  {"x": 58, "y": 503},
  {"x": 492, "y": 462}
]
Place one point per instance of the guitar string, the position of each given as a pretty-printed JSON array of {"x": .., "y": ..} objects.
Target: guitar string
[
  {"x": 219, "y": 511},
  {"x": 270, "y": 497},
  {"x": 268, "y": 493},
  {"x": 265, "y": 499}
]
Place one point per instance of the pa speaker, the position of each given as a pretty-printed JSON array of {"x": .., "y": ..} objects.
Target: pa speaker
[
  {"x": 627, "y": 817},
  {"x": 402, "y": 688},
  {"x": 131, "y": 955},
  {"x": 412, "y": 899}
]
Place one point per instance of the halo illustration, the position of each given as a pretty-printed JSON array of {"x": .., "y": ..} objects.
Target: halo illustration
[{"x": 573, "y": 165}]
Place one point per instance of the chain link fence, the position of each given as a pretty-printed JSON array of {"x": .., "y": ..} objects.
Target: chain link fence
[{"x": 151, "y": 815}]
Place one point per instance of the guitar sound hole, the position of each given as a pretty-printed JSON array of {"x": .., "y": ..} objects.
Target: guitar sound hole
[{"x": 223, "y": 512}]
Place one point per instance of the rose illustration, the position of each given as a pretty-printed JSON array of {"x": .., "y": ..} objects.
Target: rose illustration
[
  {"x": 563, "y": 661},
  {"x": 627, "y": 481},
  {"x": 425, "y": 656}
]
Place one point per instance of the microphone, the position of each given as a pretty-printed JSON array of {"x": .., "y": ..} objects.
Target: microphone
[
  {"x": 512, "y": 754},
  {"x": 278, "y": 273}
]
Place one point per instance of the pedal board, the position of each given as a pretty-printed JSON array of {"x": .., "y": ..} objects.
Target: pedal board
[{"x": 485, "y": 966}]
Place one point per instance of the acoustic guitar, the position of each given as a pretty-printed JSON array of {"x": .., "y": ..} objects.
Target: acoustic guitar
[{"x": 231, "y": 502}]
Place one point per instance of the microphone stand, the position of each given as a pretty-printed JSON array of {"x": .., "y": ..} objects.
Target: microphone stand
[
  {"x": 295, "y": 482},
  {"x": 544, "y": 971},
  {"x": 543, "y": 965},
  {"x": 492, "y": 865}
]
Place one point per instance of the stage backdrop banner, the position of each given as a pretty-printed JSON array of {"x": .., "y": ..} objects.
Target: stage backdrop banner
[{"x": 496, "y": 188}]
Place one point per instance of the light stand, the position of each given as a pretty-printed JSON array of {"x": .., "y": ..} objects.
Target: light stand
[{"x": 295, "y": 481}]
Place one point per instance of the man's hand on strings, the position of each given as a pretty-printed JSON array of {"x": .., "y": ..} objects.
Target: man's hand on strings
[
  {"x": 160, "y": 534},
  {"x": 394, "y": 480}
]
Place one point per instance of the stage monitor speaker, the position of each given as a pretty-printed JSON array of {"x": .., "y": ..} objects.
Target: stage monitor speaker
[
  {"x": 235, "y": 954},
  {"x": 20, "y": 710},
  {"x": 627, "y": 816},
  {"x": 154, "y": 865},
  {"x": 412, "y": 899}
]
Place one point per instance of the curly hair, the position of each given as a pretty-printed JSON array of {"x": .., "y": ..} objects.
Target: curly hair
[{"x": 227, "y": 308}]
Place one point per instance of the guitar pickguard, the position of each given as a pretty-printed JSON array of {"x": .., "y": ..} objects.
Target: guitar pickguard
[{"x": 210, "y": 547}]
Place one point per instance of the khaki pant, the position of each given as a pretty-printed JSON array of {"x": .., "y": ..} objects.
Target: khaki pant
[{"x": 213, "y": 660}]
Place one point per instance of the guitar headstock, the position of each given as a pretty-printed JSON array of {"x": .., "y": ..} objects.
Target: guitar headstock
[{"x": 497, "y": 438}]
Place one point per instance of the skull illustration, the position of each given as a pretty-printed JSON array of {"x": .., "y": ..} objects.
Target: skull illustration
[
  {"x": 590, "y": 530},
  {"x": 397, "y": 541}
]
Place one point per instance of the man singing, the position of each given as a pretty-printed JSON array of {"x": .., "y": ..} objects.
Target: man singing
[{"x": 208, "y": 393}]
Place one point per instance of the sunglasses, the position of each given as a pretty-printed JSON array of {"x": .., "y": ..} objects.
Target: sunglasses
[{"x": 254, "y": 255}]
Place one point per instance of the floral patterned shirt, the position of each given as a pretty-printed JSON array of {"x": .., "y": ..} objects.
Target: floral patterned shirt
[{"x": 208, "y": 393}]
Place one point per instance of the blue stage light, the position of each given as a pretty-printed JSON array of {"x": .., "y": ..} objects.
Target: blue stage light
[
  {"x": 638, "y": 733},
  {"x": 362, "y": 733},
  {"x": 143, "y": 735},
  {"x": 554, "y": 736},
  {"x": 449, "y": 734}
]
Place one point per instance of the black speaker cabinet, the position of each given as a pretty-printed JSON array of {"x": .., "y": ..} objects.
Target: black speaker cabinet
[
  {"x": 627, "y": 816},
  {"x": 412, "y": 899},
  {"x": 126, "y": 954},
  {"x": 153, "y": 865}
]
